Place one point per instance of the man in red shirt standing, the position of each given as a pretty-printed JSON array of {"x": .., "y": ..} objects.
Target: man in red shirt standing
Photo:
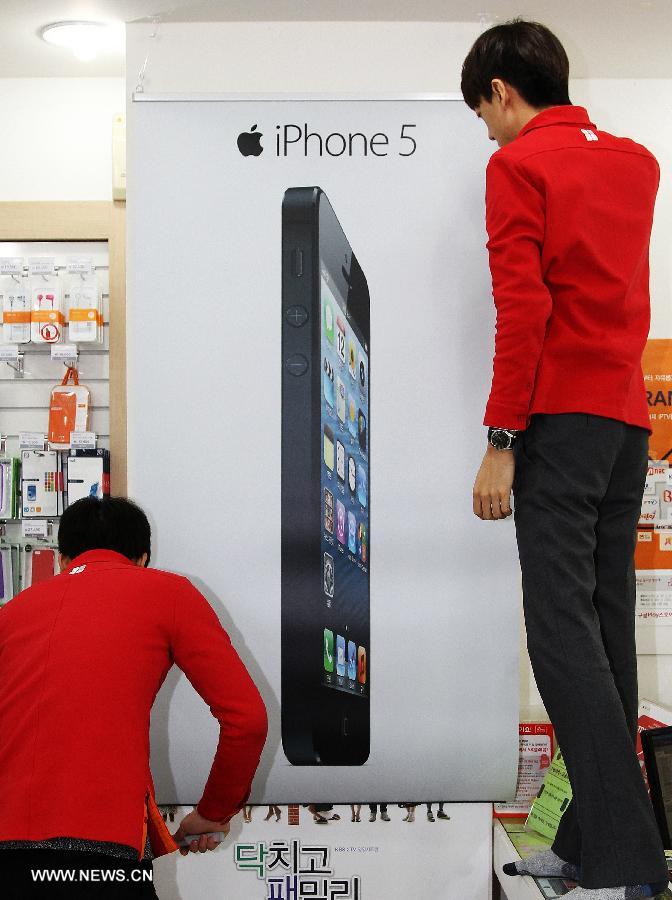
[
  {"x": 568, "y": 212},
  {"x": 82, "y": 657}
]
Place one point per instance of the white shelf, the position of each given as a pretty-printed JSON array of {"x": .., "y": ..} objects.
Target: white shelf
[{"x": 516, "y": 887}]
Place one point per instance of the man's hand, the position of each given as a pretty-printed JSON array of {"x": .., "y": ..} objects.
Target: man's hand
[
  {"x": 194, "y": 823},
  {"x": 492, "y": 489}
]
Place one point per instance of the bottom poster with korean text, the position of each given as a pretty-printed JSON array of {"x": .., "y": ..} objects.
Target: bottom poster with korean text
[{"x": 350, "y": 852}]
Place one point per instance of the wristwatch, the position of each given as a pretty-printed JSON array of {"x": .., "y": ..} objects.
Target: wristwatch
[{"x": 502, "y": 438}]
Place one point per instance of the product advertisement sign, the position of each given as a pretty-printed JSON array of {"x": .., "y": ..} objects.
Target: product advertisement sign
[
  {"x": 653, "y": 554},
  {"x": 310, "y": 351},
  {"x": 535, "y": 755}
]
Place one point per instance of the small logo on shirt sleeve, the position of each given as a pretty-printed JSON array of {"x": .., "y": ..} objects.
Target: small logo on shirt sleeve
[
  {"x": 77, "y": 570},
  {"x": 589, "y": 135}
]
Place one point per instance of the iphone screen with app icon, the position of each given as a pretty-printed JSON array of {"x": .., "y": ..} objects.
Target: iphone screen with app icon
[{"x": 344, "y": 481}]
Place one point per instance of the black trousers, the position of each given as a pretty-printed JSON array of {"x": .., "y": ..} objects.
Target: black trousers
[
  {"x": 75, "y": 875},
  {"x": 578, "y": 489}
]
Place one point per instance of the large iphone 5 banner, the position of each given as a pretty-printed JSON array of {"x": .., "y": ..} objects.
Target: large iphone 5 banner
[{"x": 310, "y": 352}]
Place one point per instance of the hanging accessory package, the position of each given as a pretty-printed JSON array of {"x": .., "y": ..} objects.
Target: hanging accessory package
[
  {"x": 46, "y": 315},
  {"x": 41, "y": 483},
  {"x": 68, "y": 410},
  {"x": 84, "y": 303}
]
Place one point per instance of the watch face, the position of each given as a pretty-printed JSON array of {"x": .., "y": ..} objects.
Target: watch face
[{"x": 500, "y": 439}]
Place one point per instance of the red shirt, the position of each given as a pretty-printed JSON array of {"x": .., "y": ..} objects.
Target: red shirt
[
  {"x": 82, "y": 657},
  {"x": 568, "y": 213}
]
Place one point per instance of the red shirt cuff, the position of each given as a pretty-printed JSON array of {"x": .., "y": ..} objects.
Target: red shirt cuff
[{"x": 498, "y": 416}]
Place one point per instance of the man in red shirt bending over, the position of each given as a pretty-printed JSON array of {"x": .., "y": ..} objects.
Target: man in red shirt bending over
[
  {"x": 82, "y": 657},
  {"x": 568, "y": 212}
]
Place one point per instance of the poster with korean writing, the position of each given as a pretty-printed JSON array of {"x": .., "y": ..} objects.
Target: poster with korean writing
[
  {"x": 353, "y": 851},
  {"x": 653, "y": 552}
]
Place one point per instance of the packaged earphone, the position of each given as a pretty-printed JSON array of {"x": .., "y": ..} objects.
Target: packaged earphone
[
  {"x": 85, "y": 318},
  {"x": 46, "y": 316},
  {"x": 15, "y": 309}
]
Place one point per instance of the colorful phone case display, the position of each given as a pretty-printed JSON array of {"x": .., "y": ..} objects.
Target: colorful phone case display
[
  {"x": 88, "y": 474},
  {"x": 41, "y": 483}
]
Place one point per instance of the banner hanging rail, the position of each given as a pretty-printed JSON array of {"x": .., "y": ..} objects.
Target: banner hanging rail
[{"x": 216, "y": 97}]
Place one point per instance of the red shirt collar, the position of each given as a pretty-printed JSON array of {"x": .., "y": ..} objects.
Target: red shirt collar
[
  {"x": 98, "y": 556},
  {"x": 558, "y": 115}
]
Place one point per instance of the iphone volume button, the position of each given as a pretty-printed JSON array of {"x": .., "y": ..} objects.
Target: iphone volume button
[
  {"x": 296, "y": 364},
  {"x": 296, "y": 315}
]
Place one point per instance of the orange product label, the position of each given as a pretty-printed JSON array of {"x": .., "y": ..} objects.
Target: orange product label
[
  {"x": 85, "y": 315},
  {"x": 16, "y": 316},
  {"x": 653, "y": 549},
  {"x": 47, "y": 315}
]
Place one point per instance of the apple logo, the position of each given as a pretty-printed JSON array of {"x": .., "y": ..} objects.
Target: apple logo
[{"x": 249, "y": 142}]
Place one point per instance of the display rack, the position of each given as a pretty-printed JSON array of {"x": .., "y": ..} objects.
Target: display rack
[
  {"x": 33, "y": 222},
  {"x": 91, "y": 232}
]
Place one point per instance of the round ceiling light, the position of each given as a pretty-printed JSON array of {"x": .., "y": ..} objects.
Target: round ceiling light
[{"x": 85, "y": 39}]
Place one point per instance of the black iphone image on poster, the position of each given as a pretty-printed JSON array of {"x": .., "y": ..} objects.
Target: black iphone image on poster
[{"x": 326, "y": 652}]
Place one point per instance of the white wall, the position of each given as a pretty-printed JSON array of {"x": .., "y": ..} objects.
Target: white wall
[
  {"x": 642, "y": 110},
  {"x": 57, "y": 137}
]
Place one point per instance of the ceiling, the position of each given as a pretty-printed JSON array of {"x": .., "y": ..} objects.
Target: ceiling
[{"x": 621, "y": 38}]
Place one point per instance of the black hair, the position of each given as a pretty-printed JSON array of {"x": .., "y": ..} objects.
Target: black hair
[
  {"x": 525, "y": 55},
  {"x": 112, "y": 523}
]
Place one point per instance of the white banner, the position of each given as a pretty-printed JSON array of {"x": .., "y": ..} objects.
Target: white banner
[
  {"x": 447, "y": 858},
  {"x": 310, "y": 351}
]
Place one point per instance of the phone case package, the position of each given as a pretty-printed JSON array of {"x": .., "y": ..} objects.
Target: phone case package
[
  {"x": 9, "y": 488},
  {"x": 85, "y": 319},
  {"x": 16, "y": 567},
  {"x": 6, "y": 575},
  {"x": 15, "y": 311},
  {"x": 68, "y": 410},
  {"x": 88, "y": 474},
  {"x": 46, "y": 315},
  {"x": 39, "y": 564},
  {"x": 41, "y": 484}
]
